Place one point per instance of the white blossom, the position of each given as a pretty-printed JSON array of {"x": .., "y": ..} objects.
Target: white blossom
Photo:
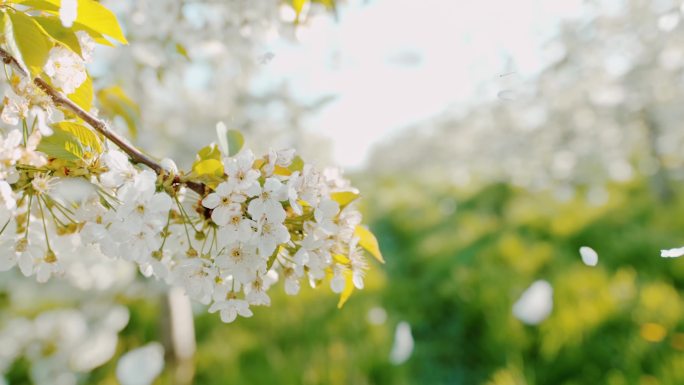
[
  {"x": 68, "y": 12},
  {"x": 672, "y": 253},
  {"x": 240, "y": 171},
  {"x": 65, "y": 68},
  {"x": 228, "y": 305},
  {"x": 270, "y": 235}
]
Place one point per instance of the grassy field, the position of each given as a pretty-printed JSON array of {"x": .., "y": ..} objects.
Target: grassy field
[{"x": 456, "y": 263}]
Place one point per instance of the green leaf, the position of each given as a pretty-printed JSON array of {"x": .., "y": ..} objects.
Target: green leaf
[
  {"x": 348, "y": 288},
  {"x": 62, "y": 34},
  {"x": 209, "y": 152},
  {"x": 32, "y": 41},
  {"x": 235, "y": 142},
  {"x": 344, "y": 198},
  {"x": 298, "y": 6},
  {"x": 209, "y": 167},
  {"x": 61, "y": 145},
  {"x": 86, "y": 137},
  {"x": 83, "y": 95},
  {"x": 70, "y": 141},
  {"x": 90, "y": 14},
  {"x": 297, "y": 164},
  {"x": 41, "y": 5},
  {"x": 367, "y": 241},
  {"x": 209, "y": 170},
  {"x": 94, "y": 15},
  {"x": 115, "y": 102},
  {"x": 182, "y": 51},
  {"x": 272, "y": 258}
]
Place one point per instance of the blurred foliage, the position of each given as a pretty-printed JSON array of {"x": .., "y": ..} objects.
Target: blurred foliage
[{"x": 456, "y": 263}]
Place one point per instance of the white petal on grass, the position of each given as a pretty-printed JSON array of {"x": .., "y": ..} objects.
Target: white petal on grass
[
  {"x": 507, "y": 95},
  {"x": 67, "y": 12},
  {"x": 403, "y": 344},
  {"x": 266, "y": 58},
  {"x": 377, "y": 316},
  {"x": 589, "y": 256},
  {"x": 535, "y": 303},
  {"x": 169, "y": 165},
  {"x": 73, "y": 190},
  {"x": 141, "y": 366},
  {"x": 672, "y": 253},
  {"x": 116, "y": 319}
]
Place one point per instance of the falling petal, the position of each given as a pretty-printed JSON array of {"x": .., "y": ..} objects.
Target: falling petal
[
  {"x": 535, "y": 303},
  {"x": 589, "y": 256},
  {"x": 266, "y": 58}
]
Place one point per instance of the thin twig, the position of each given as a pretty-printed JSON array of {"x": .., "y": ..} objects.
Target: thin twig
[{"x": 97, "y": 124}]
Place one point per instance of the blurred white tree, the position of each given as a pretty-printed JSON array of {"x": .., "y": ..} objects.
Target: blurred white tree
[
  {"x": 189, "y": 64},
  {"x": 605, "y": 108}
]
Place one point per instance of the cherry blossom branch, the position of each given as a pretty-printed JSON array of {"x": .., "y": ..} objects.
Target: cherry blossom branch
[{"x": 97, "y": 124}]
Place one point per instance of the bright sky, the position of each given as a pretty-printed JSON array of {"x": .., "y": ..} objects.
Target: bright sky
[{"x": 393, "y": 63}]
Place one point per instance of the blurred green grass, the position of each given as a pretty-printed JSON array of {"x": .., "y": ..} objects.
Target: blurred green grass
[{"x": 456, "y": 262}]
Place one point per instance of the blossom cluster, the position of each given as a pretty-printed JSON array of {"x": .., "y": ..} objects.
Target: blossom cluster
[
  {"x": 253, "y": 222},
  {"x": 226, "y": 248},
  {"x": 62, "y": 344}
]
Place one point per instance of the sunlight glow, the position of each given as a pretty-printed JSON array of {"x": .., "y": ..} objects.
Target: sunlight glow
[{"x": 423, "y": 58}]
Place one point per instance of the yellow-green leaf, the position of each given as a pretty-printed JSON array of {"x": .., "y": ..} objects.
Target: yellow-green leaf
[
  {"x": 70, "y": 141},
  {"x": 61, "y": 145},
  {"x": 282, "y": 171},
  {"x": 83, "y": 95},
  {"x": 258, "y": 163},
  {"x": 209, "y": 152},
  {"x": 62, "y": 34},
  {"x": 272, "y": 258},
  {"x": 235, "y": 142},
  {"x": 96, "y": 16},
  {"x": 367, "y": 241},
  {"x": 348, "y": 288},
  {"x": 86, "y": 137},
  {"x": 98, "y": 37},
  {"x": 297, "y": 164},
  {"x": 41, "y": 5},
  {"x": 211, "y": 167},
  {"x": 32, "y": 41},
  {"x": 344, "y": 198},
  {"x": 115, "y": 102}
]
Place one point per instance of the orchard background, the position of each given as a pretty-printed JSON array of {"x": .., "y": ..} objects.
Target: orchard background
[{"x": 489, "y": 143}]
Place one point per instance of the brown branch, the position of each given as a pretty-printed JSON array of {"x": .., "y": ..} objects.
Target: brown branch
[{"x": 97, "y": 124}]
